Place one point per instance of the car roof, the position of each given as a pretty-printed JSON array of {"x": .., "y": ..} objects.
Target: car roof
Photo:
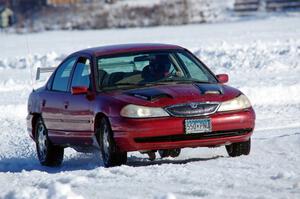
[{"x": 124, "y": 48}]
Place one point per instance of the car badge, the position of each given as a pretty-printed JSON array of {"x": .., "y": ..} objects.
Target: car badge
[{"x": 193, "y": 105}]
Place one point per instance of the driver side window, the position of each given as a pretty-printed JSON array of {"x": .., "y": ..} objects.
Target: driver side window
[{"x": 81, "y": 76}]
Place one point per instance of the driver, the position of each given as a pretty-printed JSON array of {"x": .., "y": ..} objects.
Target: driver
[{"x": 158, "y": 68}]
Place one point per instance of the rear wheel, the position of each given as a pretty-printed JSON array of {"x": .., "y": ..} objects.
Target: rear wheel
[
  {"x": 48, "y": 154},
  {"x": 169, "y": 152},
  {"x": 175, "y": 153},
  {"x": 238, "y": 149},
  {"x": 111, "y": 156}
]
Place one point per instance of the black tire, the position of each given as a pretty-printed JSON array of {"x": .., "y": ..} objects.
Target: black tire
[
  {"x": 238, "y": 149},
  {"x": 111, "y": 156},
  {"x": 175, "y": 153},
  {"x": 163, "y": 153},
  {"x": 169, "y": 153},
  {"x": 48, "y": 154}
]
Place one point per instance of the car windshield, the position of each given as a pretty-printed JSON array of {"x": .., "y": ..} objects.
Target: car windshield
[{"x": 141, "y": 69}]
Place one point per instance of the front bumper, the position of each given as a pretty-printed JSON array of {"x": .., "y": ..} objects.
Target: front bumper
[{"x": 169, "y": 132}]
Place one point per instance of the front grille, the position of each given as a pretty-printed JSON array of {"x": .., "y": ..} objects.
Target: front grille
[
  {"x": 192, "y": 109},
  {"x": 196, "y": 136}
]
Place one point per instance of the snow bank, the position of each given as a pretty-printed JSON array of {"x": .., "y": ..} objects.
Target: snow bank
[
  {"x": 19, "y": 73},
  {"x": 273, "y": 95},
  {"x": 55, "y": 190},
  {"x": 261, "y": 56},
  {"x": 167, "y": 196},
  {"x": 31, "y": 61}
]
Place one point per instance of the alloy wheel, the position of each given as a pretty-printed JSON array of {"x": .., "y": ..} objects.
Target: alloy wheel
[
  {"x": 42, "y": 141},
  {"x": 105, "y": 142}
]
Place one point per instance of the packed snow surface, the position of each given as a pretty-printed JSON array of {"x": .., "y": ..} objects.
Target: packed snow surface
[{"x": 262, "y": 58}]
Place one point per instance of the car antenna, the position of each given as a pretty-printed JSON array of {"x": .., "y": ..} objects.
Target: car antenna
[{"x": 29, "y": 61}]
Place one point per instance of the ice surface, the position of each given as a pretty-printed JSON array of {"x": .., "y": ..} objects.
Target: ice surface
[{"x": 262, "y": 58}]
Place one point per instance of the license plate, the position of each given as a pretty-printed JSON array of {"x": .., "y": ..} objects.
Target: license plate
[{"x": 197, "y": 126}]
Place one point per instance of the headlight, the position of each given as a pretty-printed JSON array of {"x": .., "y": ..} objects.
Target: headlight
[
  {"x": 135, "y": 111},
  {"x": 241, "y": 102}
]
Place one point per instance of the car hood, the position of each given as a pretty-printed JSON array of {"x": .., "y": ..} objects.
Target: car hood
[{"x": 165, "y": 95}]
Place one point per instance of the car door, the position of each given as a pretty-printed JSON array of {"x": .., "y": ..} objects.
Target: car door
[
  {"x": 54, "y": 98},
  {"x": 78, "y": 114}
]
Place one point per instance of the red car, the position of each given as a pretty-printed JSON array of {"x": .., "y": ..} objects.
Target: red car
[{"x": 137, "y": 97}]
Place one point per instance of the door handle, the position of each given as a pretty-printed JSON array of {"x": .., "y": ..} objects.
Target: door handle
[{"x": 66, "y": 104}]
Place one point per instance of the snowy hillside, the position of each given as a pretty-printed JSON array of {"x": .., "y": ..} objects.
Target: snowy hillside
[{"x": 262, "y": 58}]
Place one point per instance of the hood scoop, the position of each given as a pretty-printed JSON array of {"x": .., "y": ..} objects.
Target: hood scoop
[
  {"x": 148, "y": 94},
  {"x": 210, "y": 89}
]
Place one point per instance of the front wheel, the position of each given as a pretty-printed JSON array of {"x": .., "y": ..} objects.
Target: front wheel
[
  {"x": 48, "y": 154},
  {"x": 239, "y": 148},
  {"x": 111, "y": 156}
]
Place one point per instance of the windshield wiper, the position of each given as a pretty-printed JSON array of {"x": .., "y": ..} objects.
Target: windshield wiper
[
  {"x": 160, "y": 82},
  {"x": 180, "y": 80},
  {"x": 139, "y": 84},
  {"x": 127, "y": 84},
  {"x": 117, "y": 86}
]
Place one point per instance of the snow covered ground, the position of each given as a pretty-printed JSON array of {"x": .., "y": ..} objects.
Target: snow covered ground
[{"x": 262, "y": 58}]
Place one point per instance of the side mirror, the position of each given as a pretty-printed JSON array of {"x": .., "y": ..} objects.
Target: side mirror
[
  {"x": 223, "y": 78},
  {"x": 77, "y": 90}
]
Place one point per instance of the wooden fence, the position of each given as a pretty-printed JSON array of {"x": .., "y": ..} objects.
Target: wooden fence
[
  {"x": 266, "y": 5},
  {"x": 282, "y": 5}
]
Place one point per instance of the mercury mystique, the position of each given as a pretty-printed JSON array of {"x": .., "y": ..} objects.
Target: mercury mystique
[{"x": 137, "y": 97}]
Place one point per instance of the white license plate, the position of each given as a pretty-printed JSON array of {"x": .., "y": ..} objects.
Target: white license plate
[{"x": 197, "y": 126}]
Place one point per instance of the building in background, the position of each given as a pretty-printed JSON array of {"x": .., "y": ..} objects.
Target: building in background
[{"x": 23, "y": 6}]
